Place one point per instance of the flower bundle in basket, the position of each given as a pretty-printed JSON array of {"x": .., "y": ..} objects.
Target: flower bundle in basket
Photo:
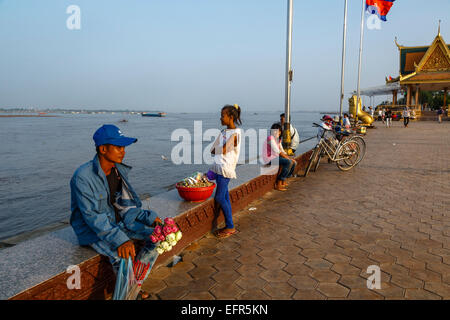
[{"x": 167, "y": 235}]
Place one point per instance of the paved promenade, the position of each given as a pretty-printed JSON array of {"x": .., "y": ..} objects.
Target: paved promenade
[{"x": 316, "y": 240}]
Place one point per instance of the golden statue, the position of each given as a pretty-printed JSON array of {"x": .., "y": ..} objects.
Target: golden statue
[{"x": 366, "y": 118}]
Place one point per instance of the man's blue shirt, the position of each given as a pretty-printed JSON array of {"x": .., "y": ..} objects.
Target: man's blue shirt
[{"x": 93, "y": 216}]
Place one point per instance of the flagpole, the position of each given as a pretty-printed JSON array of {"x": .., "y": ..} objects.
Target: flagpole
[
  {"x": 360, "y": 57},
  {"x": 286, "y": 129},
  {"x": 344, "y": 38}
]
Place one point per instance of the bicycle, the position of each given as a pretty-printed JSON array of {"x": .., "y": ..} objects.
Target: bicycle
[{"x": 345, "y": 152}]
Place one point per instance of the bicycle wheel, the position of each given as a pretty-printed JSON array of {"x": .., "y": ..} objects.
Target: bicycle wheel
[
  {"x": 362, "y": 146},
  {"x": 321, "y": 154},
  {"x": 312, "y": 159},
  {"x": 348, "y": 155}
]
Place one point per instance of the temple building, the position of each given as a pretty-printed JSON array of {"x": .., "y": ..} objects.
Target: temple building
[{"x": 421, "y": 68}]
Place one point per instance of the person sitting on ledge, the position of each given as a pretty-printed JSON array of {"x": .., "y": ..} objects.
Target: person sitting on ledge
[
  {"x": 274, "y": 151},
  {"x": 106, "y": 211}
]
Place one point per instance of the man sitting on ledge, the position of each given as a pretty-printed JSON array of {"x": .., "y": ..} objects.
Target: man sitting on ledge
[{"x": 106, "y": 211}]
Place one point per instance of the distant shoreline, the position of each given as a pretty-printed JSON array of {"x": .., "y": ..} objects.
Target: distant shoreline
[{"x": 26, "y": 115}]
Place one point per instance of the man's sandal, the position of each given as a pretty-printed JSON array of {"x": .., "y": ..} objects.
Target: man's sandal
[{"x": 143, "y": 295}]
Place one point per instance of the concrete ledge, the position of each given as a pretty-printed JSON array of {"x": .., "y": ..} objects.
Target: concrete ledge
[{"x": 36, "y": 269}]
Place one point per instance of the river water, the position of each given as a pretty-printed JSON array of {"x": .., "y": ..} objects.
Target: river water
[{"x": 40, "y": 154}]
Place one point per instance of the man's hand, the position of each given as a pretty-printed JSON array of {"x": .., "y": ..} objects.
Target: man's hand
[{"x": 126, "y": 249}]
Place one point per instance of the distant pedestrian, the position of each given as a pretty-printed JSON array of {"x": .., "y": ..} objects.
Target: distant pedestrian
[
  {"x": 383, "y": 115},
  {"x": 346, "y": 122},
  {"x": 406, "y": 115},
  {"x": 371, "y": 111},
  {"x": 388, "y": 117},
  {"x": 226, "y": 150},
  {"x": 380, "y": 115},
  {"x": 440, "y": 113}
]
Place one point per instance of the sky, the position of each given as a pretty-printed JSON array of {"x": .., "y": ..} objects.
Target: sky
[{"x": 197, "y": 55}]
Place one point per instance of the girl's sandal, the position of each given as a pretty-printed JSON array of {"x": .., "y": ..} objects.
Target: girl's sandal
[{"x": 224, "y": 234}]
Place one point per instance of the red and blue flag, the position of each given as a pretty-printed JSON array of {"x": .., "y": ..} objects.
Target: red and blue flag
[{"x": 379, "y": 7}]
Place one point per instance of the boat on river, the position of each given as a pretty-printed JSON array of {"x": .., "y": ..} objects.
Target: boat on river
[{"x": 158, "y": 114}]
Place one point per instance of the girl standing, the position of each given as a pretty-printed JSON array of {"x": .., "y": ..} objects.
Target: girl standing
[{"x": 226, "y": 150}]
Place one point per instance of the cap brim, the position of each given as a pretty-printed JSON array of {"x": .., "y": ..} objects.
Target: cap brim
[{"x": 123, "y": 141}]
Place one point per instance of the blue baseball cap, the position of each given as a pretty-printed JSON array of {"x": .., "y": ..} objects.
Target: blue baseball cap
[{"x": 110, "y": 134}]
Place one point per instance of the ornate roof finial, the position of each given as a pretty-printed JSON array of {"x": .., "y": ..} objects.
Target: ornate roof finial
[
  {"x": 396, "y": 43},
  {"x": 439, "y": 29}
]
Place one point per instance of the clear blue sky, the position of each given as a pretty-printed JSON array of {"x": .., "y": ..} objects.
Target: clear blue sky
[{"x": 197, "y": 55}]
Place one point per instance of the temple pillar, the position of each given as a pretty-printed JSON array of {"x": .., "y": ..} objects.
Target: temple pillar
[
  {"x": 394, "y": 98},
  {"x": 408, "y": 96},
  {"x": 445, "y": 97},
  {"x": 445, "y": 101},
  {"x": 417, "y": 97}
]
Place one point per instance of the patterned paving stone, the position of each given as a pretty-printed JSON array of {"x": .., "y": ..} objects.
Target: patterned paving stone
[
  {"x": 178, "y": 280},
  {"x": 279, "y": 290},
  {"x": 198, "y": 296},
  {"x": 200, "y": 285},
  {"x": 325, "y": 276},
  {"x": 308, "y": 295},
  {"x": 228, "y": 276},
  {"x": 255, "y": 294},
  {"x": 333, "y": 290},
  {"x": 250, "y": 269},
  {"x": 249, "y": 259},
  {"x": 154, "y": 285},
  {"x": 160, "y": 273},
  {"x": 353, "y": 282},
  {"x": 251, "y": 282},
  {"x": 226, "y": 291},
  {"x": 224, "y": 265},
  {"x": 297, "y": 269},
  {"x": 275, "y": 276},
  {"x": 202, "y": 272},
  {"x": 420, "y": 294},
  {"x": 292, "y": 258},
  {"x": 407, "y": 282},
  {"x": 183, "y": 267},
  {"x": 391, "y": 291},
  {"x": 439, "y": 288},
  {"x": 172, "y": 293},
  {"x": 337, "y": 258},
  {"x": 426, "y": 275},
  {"x": 318, "y": 264},
  {"x": 272, "y": 264},
  {"x": 364, "y": 294},
  {"x": 345, "y": 268},
  {"x": 303, "y": 282}
]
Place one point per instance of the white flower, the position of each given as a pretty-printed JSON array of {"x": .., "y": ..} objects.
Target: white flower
[
  {"x": 169, "y": 248},
  {"x": 159, "y": 250},
  {"x": 172, "y": 243},
  {"x": 164, "y": 245},
  {"x": 171, "y": 237},
  {"x": 178, "y": 235}
]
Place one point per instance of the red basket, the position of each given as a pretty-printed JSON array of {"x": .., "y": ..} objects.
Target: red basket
[{"x": 195, "y": 194}]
